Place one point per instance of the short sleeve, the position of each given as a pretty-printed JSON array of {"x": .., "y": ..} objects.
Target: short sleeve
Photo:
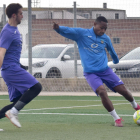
[{"x": 5, "y": 39}]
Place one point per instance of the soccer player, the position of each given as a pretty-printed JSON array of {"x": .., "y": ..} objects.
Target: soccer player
[
  {"x": 22, "y": 86},
  {"x": 92, "y": 44}
]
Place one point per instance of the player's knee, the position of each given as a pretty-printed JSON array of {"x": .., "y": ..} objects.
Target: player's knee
[
  {"x": 121, "y": 90},
  {"x": 37, "y": 88},
  {"x": 101, "y": 92}
]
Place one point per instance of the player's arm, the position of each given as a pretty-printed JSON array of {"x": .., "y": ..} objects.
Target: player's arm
[
  {"x": 112, "y": 52},
  {"x": 68, "y": 32},
  {"x": 2, "y": 54}
]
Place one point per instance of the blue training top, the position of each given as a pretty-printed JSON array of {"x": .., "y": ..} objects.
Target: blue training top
[
  {"x": 11, "y": 40},
  {"x": 91, "y": 48}
]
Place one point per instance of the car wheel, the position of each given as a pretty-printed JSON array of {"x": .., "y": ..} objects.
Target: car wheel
[{"x": 54, "y": 73}]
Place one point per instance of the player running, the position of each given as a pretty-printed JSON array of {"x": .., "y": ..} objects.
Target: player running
[{"x": 22, "y": 86}]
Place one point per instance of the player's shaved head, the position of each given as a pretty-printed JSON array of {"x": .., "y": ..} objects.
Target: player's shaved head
[{"x": 101, "y": 19}]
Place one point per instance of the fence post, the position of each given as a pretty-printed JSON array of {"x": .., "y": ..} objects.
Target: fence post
[
  {"x": 30, "y": 36},
  {"x": 4, "y": 15},
  {"x": 75, "y": 45}
]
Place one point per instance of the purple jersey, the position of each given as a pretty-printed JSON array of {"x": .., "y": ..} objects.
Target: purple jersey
[
  {"x": 17, "y": 79},
  {"x": 10, "y": 39}
]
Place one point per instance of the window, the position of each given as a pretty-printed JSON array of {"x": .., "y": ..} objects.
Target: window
[
  {"x": 86, "y": 15},
  {"x": 27, "y": 39},
  {"x": 51, "y": 15},
  {"x": 98, "y": 15},
  {"x": 116, "y": 40},
  {"x": 116, "y": 16},
  {"x": 33, "y": 16},
  {"x": 63, "y": 14},
  {"x": 44, "y": 52},
  {"x": 70, "y": 52}
]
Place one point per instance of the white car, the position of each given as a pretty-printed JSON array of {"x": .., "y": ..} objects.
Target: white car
[{"x": 53, "y": 61}]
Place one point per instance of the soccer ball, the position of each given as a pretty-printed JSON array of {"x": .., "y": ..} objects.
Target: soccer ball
[{"x": 136, "y": 117}]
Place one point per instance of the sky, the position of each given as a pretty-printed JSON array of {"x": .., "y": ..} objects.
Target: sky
[{"x": 132, "y": 7}]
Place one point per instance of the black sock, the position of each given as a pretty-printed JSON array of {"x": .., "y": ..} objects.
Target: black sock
[
  {"x": 28, "y": 96},
  {"x": 4, "y": 109}
]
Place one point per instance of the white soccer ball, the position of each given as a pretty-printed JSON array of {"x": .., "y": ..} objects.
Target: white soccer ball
[{"x": 136, "y": 117}]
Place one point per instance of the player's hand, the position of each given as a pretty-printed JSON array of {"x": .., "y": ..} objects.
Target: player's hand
[
  {"x": 55, "y": 26},
  {"x": 24, "y": 67}
]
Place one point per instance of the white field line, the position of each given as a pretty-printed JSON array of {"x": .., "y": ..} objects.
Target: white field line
[
  {"x": 76, "y": 100},
  {"x": 74, "y": 114},
  {"x": 60, "y": 107},
  {"x": 69, "y": 107}
]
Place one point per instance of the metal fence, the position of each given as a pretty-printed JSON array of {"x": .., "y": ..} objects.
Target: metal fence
[{"x": 44, "y": 50}]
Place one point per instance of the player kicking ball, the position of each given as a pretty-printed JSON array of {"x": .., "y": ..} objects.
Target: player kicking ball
[
  {"x": 22, "y": 86},
  {"x": 92, "y": 44}
]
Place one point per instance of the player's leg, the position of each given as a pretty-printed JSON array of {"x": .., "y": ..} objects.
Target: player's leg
[
  {"x": 27, "y": 97},
  {"x": 101, "y": 91},
  {"x": 121, "y": 89},
  {"x": 24, "y": 83},
  {"x": 116, "y": 85},
  {"x": 109, "y": 106},
  {"x": 97, "y": 85},
  {"x": 6, "y": 108}
]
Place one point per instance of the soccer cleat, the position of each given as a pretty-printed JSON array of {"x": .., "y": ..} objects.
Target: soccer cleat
[
  {"x": 13, "y": 118},
  {"x": 138, "y": 107},
  {"x": 118, "y": 122}
]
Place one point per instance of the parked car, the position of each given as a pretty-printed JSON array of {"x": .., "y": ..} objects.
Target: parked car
[
  {"x": 129, "y": 65},
  {"x": 53, "y": 61}
]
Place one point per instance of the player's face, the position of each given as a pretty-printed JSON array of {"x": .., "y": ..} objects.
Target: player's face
[
  {"x": 19, "y": 16},
  {"x": 100, "y": 28}
]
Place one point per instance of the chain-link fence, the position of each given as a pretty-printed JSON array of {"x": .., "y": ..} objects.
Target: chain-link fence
[{"x": 55, "y": 59}]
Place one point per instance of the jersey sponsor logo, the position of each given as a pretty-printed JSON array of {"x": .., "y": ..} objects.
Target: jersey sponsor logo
[
  {"x": 89, "y": 36},
  {"x": 94, "y": 45},
  {"x": 15, "y": 32},
  {"x": 120, "y": 81},
  {"x": 93, "y": 48}
]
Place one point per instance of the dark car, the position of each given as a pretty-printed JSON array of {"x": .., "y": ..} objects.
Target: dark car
[{"x": 129, "y": 65}]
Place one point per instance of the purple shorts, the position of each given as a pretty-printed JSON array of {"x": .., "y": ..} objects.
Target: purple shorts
[
  {"x": 17, "y": 80},
  {"x": 108, "y": 77}
]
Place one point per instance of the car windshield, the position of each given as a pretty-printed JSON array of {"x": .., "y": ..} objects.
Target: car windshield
[
  {"x": 44, "y": 52},
  {"x": 133, "y": 55}
]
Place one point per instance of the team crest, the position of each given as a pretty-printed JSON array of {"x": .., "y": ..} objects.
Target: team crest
[{"x": 102, "y": 41}]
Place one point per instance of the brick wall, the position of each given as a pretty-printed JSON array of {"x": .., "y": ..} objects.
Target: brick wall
[{"x": 128, "y": 30}]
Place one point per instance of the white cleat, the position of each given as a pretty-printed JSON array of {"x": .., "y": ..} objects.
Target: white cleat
[{"x": 13, "y": 118}]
